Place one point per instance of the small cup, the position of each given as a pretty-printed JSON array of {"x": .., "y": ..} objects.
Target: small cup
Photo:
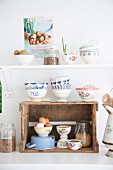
[{"x": 74, "y": 144}]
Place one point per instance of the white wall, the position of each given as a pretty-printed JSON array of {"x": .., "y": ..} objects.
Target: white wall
[{"x": 78, "y": 22}]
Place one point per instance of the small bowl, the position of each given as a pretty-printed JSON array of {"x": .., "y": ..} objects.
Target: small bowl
[
  {"x": 62, "y": 94},
  {"x": 89, "y": 55},
  {"x": 63, "y": 129},
  {"x": 35, "y": 85},
  {"x": 25, "y": 59},
  {"x": 43, "y": 131},
  {"x": 69, "y": 59},
  {"x": 87, "y": 94},
  {"x": 36, "y": 94}
]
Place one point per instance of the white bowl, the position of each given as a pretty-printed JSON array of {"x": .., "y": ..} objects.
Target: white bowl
[
  {"x": 87, "y": 94},
  {"x": 69, "y": 59},
  {"x": 89, "y": 55},
  {"x": 36, "y": 94},
  {"x": 62, "y": 94},
  {"x": 25, "y": 59},
  {"x": 63, "y": 129},
  {"x": 43, "y": 131}
]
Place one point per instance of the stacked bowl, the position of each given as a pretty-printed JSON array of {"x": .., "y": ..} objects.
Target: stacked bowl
[
  {"x": 90, "y": 52},
  {"x": 61, "y": 87},
  {"x": 36, "y": 91}
]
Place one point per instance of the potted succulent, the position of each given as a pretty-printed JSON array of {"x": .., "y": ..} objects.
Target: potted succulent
[{"x": 68, "y": 58}]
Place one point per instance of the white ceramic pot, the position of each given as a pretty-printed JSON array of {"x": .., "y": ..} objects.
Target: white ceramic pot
[{"x": 69, "y": 59}]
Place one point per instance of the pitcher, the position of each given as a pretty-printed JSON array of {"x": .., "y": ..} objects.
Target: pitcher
[{"x": 108, "y": 134}]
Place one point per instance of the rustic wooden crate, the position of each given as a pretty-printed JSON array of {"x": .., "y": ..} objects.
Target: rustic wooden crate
[{"x": 57, "y": 111}]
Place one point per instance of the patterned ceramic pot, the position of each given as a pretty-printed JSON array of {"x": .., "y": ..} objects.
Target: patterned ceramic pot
[
  {"x": 108, "y": 134},
  {"x": 69, "y": 59}
]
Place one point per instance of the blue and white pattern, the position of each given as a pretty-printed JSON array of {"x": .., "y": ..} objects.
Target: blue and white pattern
[
  {"x": 65, "y": 84},
  {"x": 35, "y": 85}
]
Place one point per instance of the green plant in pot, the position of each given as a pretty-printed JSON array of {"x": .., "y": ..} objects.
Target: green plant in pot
[{"x": 68, "y": 58}]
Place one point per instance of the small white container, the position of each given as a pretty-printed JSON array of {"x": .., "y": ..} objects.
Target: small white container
[
  {"x": 69, "y": 59},
  {"x": 25, "y": 59}
]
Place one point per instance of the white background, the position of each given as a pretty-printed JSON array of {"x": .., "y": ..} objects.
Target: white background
[{"x": 78, "y": 21}]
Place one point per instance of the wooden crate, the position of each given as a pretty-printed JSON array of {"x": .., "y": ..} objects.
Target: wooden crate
[{"x": 57, "y": 111}]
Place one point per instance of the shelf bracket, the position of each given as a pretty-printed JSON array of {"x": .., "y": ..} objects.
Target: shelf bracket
[{"x": 8, "y": 87}]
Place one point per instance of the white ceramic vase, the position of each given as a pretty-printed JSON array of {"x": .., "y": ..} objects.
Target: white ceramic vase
[{"x": 108, "y": 134}]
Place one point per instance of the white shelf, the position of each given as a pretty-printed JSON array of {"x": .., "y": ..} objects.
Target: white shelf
[
  {"x": 56, "y": 66},
  {"x": 54, "y": 161}
]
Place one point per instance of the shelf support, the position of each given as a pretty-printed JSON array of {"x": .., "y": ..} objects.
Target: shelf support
[{"x": 8, "y": 92}]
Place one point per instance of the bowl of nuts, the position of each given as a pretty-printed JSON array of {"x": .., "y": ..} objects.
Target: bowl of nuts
[{"x": 23, "y": 57}]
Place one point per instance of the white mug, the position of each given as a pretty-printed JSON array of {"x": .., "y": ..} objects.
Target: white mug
[{"x": 74, "y": 144}]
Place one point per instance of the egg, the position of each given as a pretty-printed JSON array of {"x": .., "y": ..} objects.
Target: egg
[
  {"x": 40, "y": 125},
  {"x": 42, "y": 120},
  {"x": 47, "y": 120},
  {"x": 48, "y": 125}
]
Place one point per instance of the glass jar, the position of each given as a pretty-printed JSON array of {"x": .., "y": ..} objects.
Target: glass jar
[
  {"x": 83, "y": 133},
  {"x": 8, "y": 137},
  {"x": 51, "y": 56}
]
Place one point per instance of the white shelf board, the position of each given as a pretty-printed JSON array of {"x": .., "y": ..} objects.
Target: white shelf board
[
  {"x": 55, "y": 161},
  {"x": 56, "y": 66}
]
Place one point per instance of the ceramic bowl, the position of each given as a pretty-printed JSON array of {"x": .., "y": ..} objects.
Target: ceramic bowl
[
  {"x": 74, "y": 144},
  {"x": 87, "y": 94},
  {"x": 25, "y": 59},
  {"x": 36, "y": 94},
  {"x": 60, "y": 83},
  {"x": 43, "y": 131},
  {"x": 35, "y": 85},
  {"x": 62, "y": 94},
  {"x": 69, "y": 59},
  {"x": 63, "y": 129},
  {"x": 89, "y": 55}
]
